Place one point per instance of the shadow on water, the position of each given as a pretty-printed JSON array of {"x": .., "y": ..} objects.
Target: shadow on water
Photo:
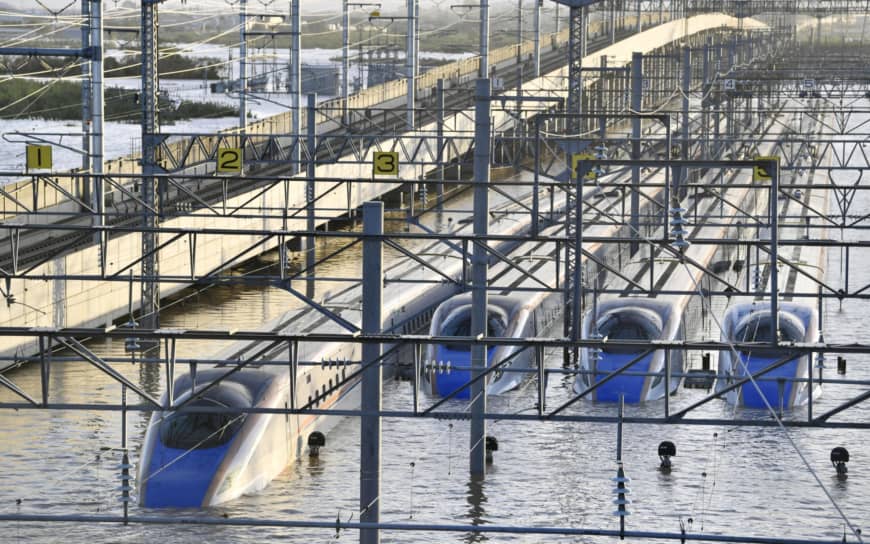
[{"x": 476, "y": 500}]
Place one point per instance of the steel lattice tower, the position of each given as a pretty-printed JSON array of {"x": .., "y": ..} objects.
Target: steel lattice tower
[
  {"x": 573, "y": 228},
  {"x": 150, "y": 302}
]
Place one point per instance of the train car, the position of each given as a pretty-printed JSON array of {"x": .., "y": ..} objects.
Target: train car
[
  {"x": 776, "y": 382},
  {"x": 525, "y": 304},
  {"x": 672, "y": 304},
  {"x": 663, "y": 295},
  {"x": 200, "y": 458}
]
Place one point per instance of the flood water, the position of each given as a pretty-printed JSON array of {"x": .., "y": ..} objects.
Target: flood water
[{"x": 748, "y": 481}]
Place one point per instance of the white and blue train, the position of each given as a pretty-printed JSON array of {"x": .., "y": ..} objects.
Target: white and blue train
[
  {"x": 522, "y": 306},
  {"x": 628, "y": 314},
  {"x": 639, "y": 374},
  {"x": 776, "y": 383},
  {"x": 201, "y": 458}
]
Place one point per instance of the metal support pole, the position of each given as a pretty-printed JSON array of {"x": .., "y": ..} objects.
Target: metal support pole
[
  {"x": 483, "y": 68},
  {"x": 410, "y": 68},
  {"x": 639, "y": 21},
  {"x": 96, "y": 111},
  {"x": 536, "y": 199},
  {"x": 575, "y": 68},
  {"x": 372, "y": 376},
  {"x": 717, "y": 112},
  {"x": 612, "y": 21},
  {"x": 687, "y": 87},
  {"x": 479, "y": 269},
  {"x": 150, "y": 299},
  {"x": 705, "y": 101},
  {"x": 773, "y": 168},
  {"x": 243, "y": 65},
  {"x": 558, "y": 26},
  {"x": 603, "y": 85},
  {"x": 125, "y": 457},
  {"x": 538, "y": 5},
  {"x": 416, "y": 38},
  {"x": 636, "y": 95},
  {"x": 309, "y": 191},
  {"x": 87, "y": 25},
  {"x": 96, "y": 96},
  {"x": 519, "y": 30},
  {"x": 345, "y": 60},
  {"x": 439, "y": 97},
  {"x": 295, "y": 83}
]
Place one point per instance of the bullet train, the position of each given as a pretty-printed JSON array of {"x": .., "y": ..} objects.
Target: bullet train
[
  {"x": 521, "y": 307},
  {"x": 214, "y": 451},
  {"x": 508, "y": 316},
  {"x": 627, "y": 312},
  {"x": 777, "y": 383},
  {"x": 205, "y": 457}
]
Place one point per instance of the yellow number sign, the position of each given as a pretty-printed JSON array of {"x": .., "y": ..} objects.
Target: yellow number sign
[
  {"x": 575, "y": 160},
  {"x": 229, "y": 159},
  {"x": 385, "y": 163},
  {"x": 38, "y": 157},
  {"x": 759, "y": 173}
]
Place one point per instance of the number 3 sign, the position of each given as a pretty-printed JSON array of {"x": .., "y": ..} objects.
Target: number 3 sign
[{"x": 385, "y": 163}]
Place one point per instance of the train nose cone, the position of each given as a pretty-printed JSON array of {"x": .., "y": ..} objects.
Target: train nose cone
[{"x": 180, "y": 478}]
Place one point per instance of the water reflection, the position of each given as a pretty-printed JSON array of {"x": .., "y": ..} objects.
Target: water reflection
[{"x": 476, "y": 500}]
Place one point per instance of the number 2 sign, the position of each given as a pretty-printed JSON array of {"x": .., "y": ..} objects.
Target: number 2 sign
[{"x": 229, "y": 159}]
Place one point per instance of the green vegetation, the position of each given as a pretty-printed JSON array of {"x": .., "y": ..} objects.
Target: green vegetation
[
  {"x": 61, "y": 100},
  {"x": 171, "y": 67}
]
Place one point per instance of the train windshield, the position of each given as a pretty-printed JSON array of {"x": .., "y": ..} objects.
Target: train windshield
[
  {"x": 629, "y": 325},
  {"x": 759, "y": 328},
  {"x": 460, "y": 325},
  {"x": 200, "y": 430}
]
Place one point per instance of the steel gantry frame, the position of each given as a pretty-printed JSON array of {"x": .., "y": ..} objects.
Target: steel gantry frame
[{"x": 374, "y": 338}]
